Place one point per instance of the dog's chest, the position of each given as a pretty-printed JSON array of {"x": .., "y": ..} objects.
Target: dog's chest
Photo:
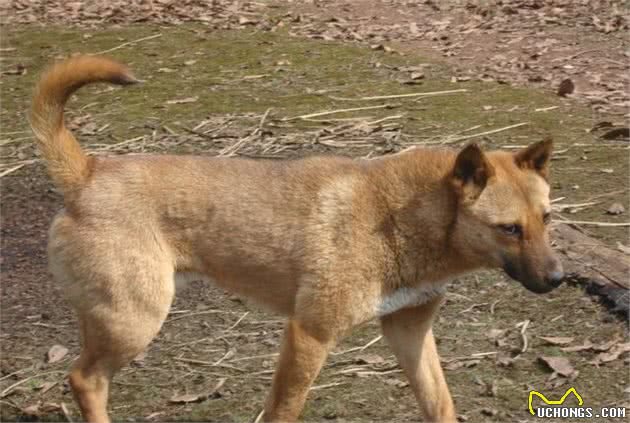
[{"x": 409, "y": 297}]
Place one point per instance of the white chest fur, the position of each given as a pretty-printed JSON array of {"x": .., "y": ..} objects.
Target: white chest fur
[{"x": 409, "y": 297}]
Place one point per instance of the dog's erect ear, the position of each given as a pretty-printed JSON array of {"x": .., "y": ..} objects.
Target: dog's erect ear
[
  {"x": 471, "y": 172},
  {"x": 536, "y": 157}
]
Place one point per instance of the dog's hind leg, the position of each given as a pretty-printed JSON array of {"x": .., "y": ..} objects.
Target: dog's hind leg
[
  {"x": 409, "y": 333},
  {"x": 122, "y": 297}
]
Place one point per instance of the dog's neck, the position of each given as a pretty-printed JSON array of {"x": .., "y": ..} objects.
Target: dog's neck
[{"x": 421, "y": 216}]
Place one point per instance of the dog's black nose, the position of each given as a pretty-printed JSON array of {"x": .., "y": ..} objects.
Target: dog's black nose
[{"x": 555, "y": 278}]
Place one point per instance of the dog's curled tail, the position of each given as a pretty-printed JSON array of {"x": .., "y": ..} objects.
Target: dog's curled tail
[{"x": 67, "y": 164}]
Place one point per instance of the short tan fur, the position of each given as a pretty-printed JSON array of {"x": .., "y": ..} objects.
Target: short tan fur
[{"x": 328, "y": 242}]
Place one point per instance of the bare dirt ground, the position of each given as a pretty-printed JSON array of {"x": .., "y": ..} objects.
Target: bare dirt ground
[{"x": 225, "y": 78}]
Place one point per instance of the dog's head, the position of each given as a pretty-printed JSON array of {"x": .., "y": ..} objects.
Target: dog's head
[{"x": 503, "y": 212}]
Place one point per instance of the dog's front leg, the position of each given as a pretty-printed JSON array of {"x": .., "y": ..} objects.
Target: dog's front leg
[
  {"x": 409, "y": 333},
  {"x": 301, "y": 358}
]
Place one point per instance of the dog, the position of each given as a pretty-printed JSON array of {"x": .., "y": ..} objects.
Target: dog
[{"x": 329, "y": 242}]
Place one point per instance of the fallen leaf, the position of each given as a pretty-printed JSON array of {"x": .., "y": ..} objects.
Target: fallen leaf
[
  {"x": 586, "y": 346},
  {"x": 623, "y": 248},
  {"x": 601, "y": 125},
  {"x": 31, "y": 410},
  {"x": 183, "y": 100},
  {"x": 51, "y": 407},
  {"x": 40, "y": 409},
  {"x": 617, "y": 133},
  {"x": 190, "y": 62},
  {"x": 187, "y": 398},
  {"x": 44, "y": 386},
  {"x": 612, "y": 355},
  {"x": 566, "y": 87},
  {"x": 454, "y": 365},
  {"x": 369, "y": 359},
  {"x": 19, "y": 70},
  {"x": 559, "y": 365},
  {"x": 416, "y": 75},
  {"x": 495, "y": 333},
  {"x": 56, "y": 353},
  {"x": 397, "y": 383},
  {"x": 166, "y": 70},
  {"x": 606, "y": 345},
  {"x": 140, "y": 359},
  {"x": 557, "y": 340},
  {"x": 471, "y": 363},
  {"x": 242, "y": 20},
  {"x": 505, "y": 360},
  {"x": 489, "y": 411},
  {"x": 615, "y": 208}
]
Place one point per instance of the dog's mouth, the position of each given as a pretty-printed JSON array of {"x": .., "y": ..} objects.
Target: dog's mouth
[{"x": 529, "y": 283}]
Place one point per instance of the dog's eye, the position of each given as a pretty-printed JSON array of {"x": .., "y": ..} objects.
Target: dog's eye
[
  {"x": 511, "y": 229},
  {"x": 547, "y": 218}
]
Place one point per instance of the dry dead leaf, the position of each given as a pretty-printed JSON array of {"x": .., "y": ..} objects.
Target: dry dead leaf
[
  {"x": 617, "y": 133},
  {"x": 454, "y": 365},
  {"x": 566, "y": 87},
  {"x": 623, "y": 248},
  {"x": 40, "y": 409},
  {"x": 190, "y": 62},
  {"x": 31, "y": 410},
  {"x": 559, "y": 365},
  {"x": 183, "y": 100},
  {"x": 457, "y": 363},
  {"x": 557, "y": 340},
  {"x": 166, "y": 70},
  {"x": 612, "y": 355},
  {"x": 489, "y": 411},
  {"x": 496, "y": 333},
  {"x": 586, "y": 346},
  {"x": 601, "y": 125},
  {"x": 606, "y": 345},
  {"x": 44, "y": 387},
  {"x": 369, "y": 359},
  {"x": 396, "y": 382},
  {"x": 56, "y": 353},
  {"x": 187, "y": 398},
  {"x": 19, "y": 70},
  {"x": 242, "y": 20},
  {"x": 615, "y": 209},
  {"x": 505, "y": 360}
]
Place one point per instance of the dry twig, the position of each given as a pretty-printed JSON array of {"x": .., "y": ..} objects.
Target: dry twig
[
  {"x": 150, "y": 37},
  {"x": 330, "y": 112},
  {"x": 409, "y": 95}
]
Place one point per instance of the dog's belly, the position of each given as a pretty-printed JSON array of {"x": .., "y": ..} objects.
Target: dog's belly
[
  {"x": 410, "y": 297},
  {"x": 271, "y": 294}
]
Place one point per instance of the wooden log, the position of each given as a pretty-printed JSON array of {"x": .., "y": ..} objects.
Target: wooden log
[{"x": 604, "y": 271}]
